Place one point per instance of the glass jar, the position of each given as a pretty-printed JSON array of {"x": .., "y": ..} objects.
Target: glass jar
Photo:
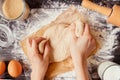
[
  {"x": 6, "y": 36},
  {"x": 109, "y": 71},
  {"x": 15, "y": 9}
]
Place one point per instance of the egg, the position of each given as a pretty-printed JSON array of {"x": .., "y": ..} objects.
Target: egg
[
  {"x": 14, "y": 68},
  {"x": 2, "y": 67}
]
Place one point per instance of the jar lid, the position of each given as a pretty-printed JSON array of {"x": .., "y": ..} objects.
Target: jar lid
[
  {"x": 112, "y": 73},
  {"x": 105, "y": 69},
  {"x": 6, "y": 36}
]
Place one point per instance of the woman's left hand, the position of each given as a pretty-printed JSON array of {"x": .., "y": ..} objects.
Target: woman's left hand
[{"x": 39, "y": 62}]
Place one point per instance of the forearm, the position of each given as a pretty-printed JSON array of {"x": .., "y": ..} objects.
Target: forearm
[
  {"x": 81, "y": 69},
  {"x": 37, "y": 75}
]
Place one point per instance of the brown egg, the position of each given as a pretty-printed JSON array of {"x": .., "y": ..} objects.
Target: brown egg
[
  {"x": 2, "y": 67},
  {"x": 14, "y": 68}
]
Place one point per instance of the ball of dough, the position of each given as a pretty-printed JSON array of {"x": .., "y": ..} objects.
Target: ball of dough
[
  {"x": 60, "y": 36},
  {"x": 41, "y": 46}
]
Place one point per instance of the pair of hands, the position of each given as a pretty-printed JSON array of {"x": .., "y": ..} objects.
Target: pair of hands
[{"x": 80, "y": 47}]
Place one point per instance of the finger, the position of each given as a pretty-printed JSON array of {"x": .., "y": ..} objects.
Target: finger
[
  {"x": 30, "y": 54},
  {"x": 94, "y": 43},
  {"x": 72, "y": 32},
  {"x": 38, "y": 40},
  {"x": 28, "y": 42},
  {"x": 47, "y": 50},
  {"x": 87, "y": 30},
  {"x": 34, "y": 46},
  {"x": 35, "y": 51},
  {"x": 28, "y": 45}
]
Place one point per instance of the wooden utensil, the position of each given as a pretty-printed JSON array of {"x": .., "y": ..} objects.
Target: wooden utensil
[{"x": 112, "y": 14}]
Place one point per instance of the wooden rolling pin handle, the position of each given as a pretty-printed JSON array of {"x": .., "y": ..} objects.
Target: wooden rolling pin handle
[
  {"x": 112, "y": 14},
  {"x": 114, "y": 18},
  {"x": 90, "y": 5}
]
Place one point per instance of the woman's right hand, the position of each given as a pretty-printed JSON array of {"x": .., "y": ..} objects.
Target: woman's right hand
[{"x": 81, "y": 46}]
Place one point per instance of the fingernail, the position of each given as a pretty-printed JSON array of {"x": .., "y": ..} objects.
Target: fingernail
[
  {"x": 86, "y": 24},
  {"x": 72, "y": 24}
]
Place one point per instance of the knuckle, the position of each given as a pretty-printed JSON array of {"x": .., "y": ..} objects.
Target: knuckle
[
  {"x": 46, "y": 59},
  {"x": 89, "y": 37}
]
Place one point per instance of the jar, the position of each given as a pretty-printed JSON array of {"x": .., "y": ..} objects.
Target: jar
[
  {"x": 15, "y": 9},
  {"x": 6, "y": 36},
  {"x": 109, "y": 71}
]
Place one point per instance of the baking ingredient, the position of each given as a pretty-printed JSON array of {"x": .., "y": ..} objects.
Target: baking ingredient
[
  {"x": 14, "y": 68},
  {"x": 59, "y": 36},
  {"x": 13, "y": 9},
  {"x": 79, "y": 27},
  {"x": 42, "y": 46},
  {"x": 2, "y": 67}
]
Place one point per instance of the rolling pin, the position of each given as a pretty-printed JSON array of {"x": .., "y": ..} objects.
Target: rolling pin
[{"x": 113, "y": 15}]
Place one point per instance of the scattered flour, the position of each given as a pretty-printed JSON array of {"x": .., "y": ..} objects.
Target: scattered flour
[{"x": 105, "y": 34}]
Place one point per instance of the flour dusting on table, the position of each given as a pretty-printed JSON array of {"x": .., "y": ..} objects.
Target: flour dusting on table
[{"x": 106, "y": 35}]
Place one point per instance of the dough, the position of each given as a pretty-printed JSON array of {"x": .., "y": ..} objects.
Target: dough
[
  {"x": 59, "y": 36},
  {"x": 12, "y": 9},
  {"x": 57, "y": 32},
  {"x": 79, "y": 27},
  {"x": 15, "y": 9},
  {"x": 60, "y": 40},
  {"x": 41, "y": 46}
]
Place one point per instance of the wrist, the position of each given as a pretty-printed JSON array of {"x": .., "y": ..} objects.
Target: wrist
[
  {"x": 80, "y": 61},
  {"x": 37, "y": 74}
]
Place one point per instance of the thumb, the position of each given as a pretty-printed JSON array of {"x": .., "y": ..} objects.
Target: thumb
[
  {"x": 34, "y": 46},
  {"x": 47, "y": 50},
  {"x": 72, "y": 32},
  {"x": 87, "y": 30}
]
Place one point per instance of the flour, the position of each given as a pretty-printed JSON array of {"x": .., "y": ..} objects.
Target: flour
[{"x": 103, "y": 32}]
